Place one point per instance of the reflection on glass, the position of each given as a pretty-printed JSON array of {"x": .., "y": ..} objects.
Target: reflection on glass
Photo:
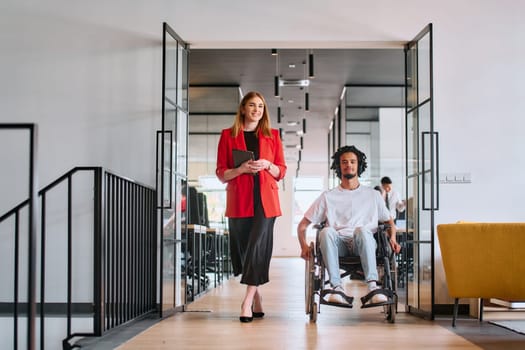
[
  {"x": 412, "y": 141},
  {"x": 413, "y": 276},
  {"x": 425, "y": 281},
  {"x": 411, "y": 77},
  {"x": 424, "y": 229},
  {"x": 182, "y": 92},
  {"x": 171, "y": 70},
  {"x": 423, "y": 60},
  {"x": 180, "y": 218},
  {"x": 411, "y": 210},
  {"x": 168, "y": 260},
  {"x": 182, "y": 151},
  {"x": 166, "y": 167},
  {"x": 373, "y": 96}
]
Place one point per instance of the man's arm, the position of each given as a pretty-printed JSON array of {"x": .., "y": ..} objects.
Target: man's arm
[
  {"x": 301, "y": 235},
  {"x": 392, "y": 233}
]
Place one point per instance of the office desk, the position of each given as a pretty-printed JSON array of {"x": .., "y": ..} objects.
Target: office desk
[
  {"x": 405, "y": 258},
  {"x": 196, "y": 261},
  {"x": 215, "y": 254}
]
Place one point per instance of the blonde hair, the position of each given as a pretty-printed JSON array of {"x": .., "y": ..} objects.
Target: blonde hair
[{"x": 263, "y": 127}]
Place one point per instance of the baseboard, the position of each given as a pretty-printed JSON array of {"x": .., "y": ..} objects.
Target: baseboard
[
  {"x": 516, "y": 304},
  {"x": 51, "y": 309}
]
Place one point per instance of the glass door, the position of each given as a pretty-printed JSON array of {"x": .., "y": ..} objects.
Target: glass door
[
  {"x": 422, "y": 171},
  {"x": 172, "y": 170}
]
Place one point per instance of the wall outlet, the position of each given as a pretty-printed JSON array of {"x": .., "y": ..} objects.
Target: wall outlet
[{"x": 455, "y": 178}]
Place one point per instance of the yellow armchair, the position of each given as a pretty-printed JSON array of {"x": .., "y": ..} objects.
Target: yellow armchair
[{"x": 483, "y": 260}]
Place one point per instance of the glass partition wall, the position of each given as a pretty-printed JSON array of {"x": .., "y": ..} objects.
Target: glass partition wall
[
  {"x": 373, "y": 114},
  {"x": 422, "y": 171},
  {"x": 213, "y": 108},
  {"x": 172, "y": 165}
]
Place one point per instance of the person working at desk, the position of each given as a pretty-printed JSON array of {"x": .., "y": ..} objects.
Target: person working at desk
[
  {"x": 350, "y": 213},
  {"x": 393, "y": 200}
]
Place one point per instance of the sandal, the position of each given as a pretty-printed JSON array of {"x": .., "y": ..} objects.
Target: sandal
[
  {"x": 336, "y": 298},
  {"x": 377, "y": 297}
]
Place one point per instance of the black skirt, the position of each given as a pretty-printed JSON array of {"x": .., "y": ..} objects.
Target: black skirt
[{"x": 251, "y": 245}]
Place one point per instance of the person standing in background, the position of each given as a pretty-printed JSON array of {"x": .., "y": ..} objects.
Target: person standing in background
[
  {"x": 252, "y": 196},
  {"x": 393, "y": 201}
]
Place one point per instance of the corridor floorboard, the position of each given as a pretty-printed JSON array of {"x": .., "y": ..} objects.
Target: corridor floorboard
[{"x": 212, "y": 322}]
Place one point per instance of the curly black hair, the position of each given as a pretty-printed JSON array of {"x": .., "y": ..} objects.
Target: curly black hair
[{"x": 361, "y": 160}]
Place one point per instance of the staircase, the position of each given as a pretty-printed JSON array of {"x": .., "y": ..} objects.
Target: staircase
[{"x": 84, "y": 262}]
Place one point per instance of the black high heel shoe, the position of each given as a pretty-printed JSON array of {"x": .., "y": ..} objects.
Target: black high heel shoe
[
  {"x": 257, "y": 314},
  {"x": 245, "y": 319}
]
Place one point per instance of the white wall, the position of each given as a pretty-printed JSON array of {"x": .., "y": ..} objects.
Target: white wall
[
  {"x": 478, "y": 91},
  {"x": 89, "y": 74},
  {"x": 479, "y": 114}
]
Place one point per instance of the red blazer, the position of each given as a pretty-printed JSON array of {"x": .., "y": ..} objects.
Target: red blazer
[{"x": 239, "y": 191}]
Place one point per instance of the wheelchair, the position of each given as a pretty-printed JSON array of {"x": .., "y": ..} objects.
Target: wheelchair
[{"x": 316, "y": 279}]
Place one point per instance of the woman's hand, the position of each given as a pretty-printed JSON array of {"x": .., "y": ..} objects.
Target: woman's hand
[
  {"x": 247, "y": 167},
  {"x": 254, "y": 166}
]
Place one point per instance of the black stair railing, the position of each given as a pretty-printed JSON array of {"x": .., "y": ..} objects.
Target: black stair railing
[
  {"x": 124, "y": 254},
  {"x": 31, "y": 206}
]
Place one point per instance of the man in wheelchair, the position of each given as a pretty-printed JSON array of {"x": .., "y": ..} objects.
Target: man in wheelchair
[{"x": 350, "y": 213}]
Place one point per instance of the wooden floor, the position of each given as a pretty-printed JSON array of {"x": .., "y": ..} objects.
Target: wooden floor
[{"x": 212, "y": 322}]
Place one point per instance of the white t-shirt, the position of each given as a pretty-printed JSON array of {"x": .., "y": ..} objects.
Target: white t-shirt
[{"x": 346, "y": 210}]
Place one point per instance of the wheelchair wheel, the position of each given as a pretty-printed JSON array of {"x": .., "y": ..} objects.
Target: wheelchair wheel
[
  {"x": 309, "y": 282},
  {"x": 314, "y": 311},
  {"x": 390, "y": 312}
]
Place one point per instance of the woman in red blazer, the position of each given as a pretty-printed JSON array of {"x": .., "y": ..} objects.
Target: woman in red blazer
[{"x": 252, "y": 196}]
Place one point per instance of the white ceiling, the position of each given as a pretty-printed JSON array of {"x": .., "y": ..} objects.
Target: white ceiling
[
  {"x": 303, "y": 23},
  {"x": 216, "y": 76},
  {"x": 350, "y": 29}
]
